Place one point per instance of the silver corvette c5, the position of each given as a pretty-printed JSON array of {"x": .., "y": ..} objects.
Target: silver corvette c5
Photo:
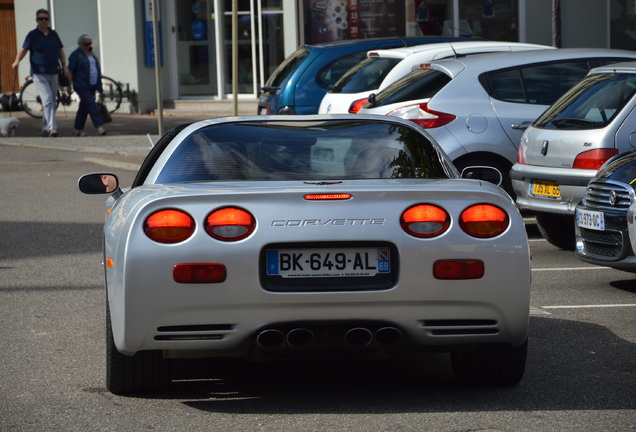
[{"x": 310, "y": 235}]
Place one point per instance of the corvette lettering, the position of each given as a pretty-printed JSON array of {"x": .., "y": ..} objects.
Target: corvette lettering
[{"x": 326, "y": 222}]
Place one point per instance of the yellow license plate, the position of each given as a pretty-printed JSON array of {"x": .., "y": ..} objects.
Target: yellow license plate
[{"x": 545, "y": 188}]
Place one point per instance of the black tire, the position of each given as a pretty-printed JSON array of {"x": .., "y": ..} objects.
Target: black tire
[
  {"x": 503, "y": 167},
  {"x": 30, "y": 100},
  {"x": 557, "y": 229},
  {"x": 491, "y": 364},
  {"x": 112, "y": 95},
  {"x": 145, "y": 372}
]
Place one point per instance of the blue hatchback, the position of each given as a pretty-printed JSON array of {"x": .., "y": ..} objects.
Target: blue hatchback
[{"x": 299, "y": 83}]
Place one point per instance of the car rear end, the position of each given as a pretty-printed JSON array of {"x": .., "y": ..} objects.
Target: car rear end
[
  {"x": 562, "y": 151},
  {"x": 370, "y": 266}
]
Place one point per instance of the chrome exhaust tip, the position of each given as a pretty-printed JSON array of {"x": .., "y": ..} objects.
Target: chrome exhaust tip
[
  {"x": 270, "y": 339},
  {"x": 300, "y": 338},
  {"x": 388, "y": 336},
  {"x": 358, "y": 337}
]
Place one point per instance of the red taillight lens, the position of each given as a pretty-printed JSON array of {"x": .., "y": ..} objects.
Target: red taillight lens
[
  {"x": 230, "y": 224},
  {"x": 169, "y": 226},
  {"x": 593, "y": 159},
  {"x": 521, "y": 157},
  {"x": 199, "y": 273},
  {"x": 458, "y": 269},
  {"x": 423, "y": 116},
  {"x": 425, "y": 221},
  {"x": 484, "y": 221},
  {"x": 356, "y": 105}
]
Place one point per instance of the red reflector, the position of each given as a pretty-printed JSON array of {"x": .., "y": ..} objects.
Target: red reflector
[
  {"x": 484, "y": 221},
  {"x": 333, "y": 196},
  {"x": 425, "y": 221},
  {"x": 230, "y": 224},
  {"x": 593, "y": 159},
  {"x": 356, "y": 105},
  {"x": 458, "y": 269},
  {"x": 169, "y": 226},
  {"x": 199, "y": 273}
]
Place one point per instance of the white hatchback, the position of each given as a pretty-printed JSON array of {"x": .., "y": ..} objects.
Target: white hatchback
[{"x": 383, "y": 67}]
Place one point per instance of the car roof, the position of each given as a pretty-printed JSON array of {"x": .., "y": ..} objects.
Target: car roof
[
  {"x": 459, "y": 47},
  {"x": 623, "y": 67},
  {"x": 493, "y": 61}
]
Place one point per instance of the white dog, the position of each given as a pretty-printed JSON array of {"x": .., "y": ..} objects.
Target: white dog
[{"x": 8, "y": 126}]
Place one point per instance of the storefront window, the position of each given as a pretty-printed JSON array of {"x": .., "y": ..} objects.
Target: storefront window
[
  {"x": 622, "y": 24},
  {"x": 489, "y": 19},
  {"x": 333, "y": 20}
]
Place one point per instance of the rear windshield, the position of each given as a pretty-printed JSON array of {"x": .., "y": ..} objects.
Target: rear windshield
[
  {"x": 592, "y": 104},
  {"x": 419, "y": 84},
  {"x": 366, "y": 75},
  {"x": 318, "y": 150},
  {"x": 287, "y": 67},
  {"x": 330, "y": 74}
]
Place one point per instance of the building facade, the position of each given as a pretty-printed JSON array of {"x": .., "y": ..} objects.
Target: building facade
[{"x": 195, "y": 36}]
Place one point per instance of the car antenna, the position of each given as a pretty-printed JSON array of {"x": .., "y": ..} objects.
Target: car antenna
[{"x": 453, "y": 48}]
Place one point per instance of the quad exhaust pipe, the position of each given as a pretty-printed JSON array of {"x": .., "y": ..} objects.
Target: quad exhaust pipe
[{"x": 301, "y": 338}]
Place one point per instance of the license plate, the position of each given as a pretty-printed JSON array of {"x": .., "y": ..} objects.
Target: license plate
[
  {"x": 590, "y": 219},
  {"x": 328, "y": 263},
  {"x": 545, "y": 188}
]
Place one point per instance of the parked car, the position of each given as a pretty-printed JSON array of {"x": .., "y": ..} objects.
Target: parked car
[
  {"x": 603, "y": 216},
  {"x": 383, "y": 67},
  {"x": 302, "y": 79},
  {"x": 269, "y": 236},
  {"x": 561, "y": 152},
  {"x": 478, "y": 107}
]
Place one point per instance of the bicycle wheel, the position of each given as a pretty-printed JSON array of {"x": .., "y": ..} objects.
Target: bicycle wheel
[
  {"x": 112, "y": 95},
  {"x": 30, "y": 100}
]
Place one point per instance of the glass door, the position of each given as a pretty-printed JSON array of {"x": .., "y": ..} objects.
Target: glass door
[{"x": 196, "y": 45}]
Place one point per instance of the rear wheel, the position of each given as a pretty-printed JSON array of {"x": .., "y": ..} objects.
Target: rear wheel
[
  {"x": 491, "y": 364},
  {"x": 30, "y": 100},
  {"x": 144, "y": 372},
  {"x": 557, "y": 229}
]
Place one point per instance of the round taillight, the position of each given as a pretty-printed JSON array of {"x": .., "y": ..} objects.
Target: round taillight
[
  {"x": 425, "y": 221},
  {"x": 484, "y": 221},
  {"x": 230, "y": 224},
  {"x": 169, "y": 226}
]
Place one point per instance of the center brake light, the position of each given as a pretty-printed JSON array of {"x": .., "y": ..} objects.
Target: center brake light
[
  {"x": 169, "y": 226},
  {"x": 425, "y": 221},
  {"x": 423, "y": 116},
  {"x": 484, "y": 221},
  {"x": 230, "y": 224},
  {"x": 327, "y": 197}
]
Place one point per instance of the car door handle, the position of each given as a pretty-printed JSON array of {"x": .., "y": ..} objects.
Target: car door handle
[{"x": 521, "y": 126}]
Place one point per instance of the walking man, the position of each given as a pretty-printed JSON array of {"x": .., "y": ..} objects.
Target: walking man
[{"x": 45, "y": 50}]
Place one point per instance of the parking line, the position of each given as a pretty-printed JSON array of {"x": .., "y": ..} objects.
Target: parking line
[
  {"x": 571, "y": 268},
  {"x": 588, "y": 306}
]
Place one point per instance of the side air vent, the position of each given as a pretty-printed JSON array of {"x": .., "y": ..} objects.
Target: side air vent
[
  {"x": 193, "y": 332},
  {"x": 460, "y": 327}
]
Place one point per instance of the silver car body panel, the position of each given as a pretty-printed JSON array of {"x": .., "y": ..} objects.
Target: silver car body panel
[{"x": 144, "y": 298}]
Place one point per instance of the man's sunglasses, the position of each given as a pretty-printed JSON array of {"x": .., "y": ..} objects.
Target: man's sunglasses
[
  {"x": 88, "y": 44},
  {"x": 43, "y": 18}
]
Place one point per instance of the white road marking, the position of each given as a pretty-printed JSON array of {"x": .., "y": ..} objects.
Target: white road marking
[
  {"x": 571, "y": 268},
  {"x": 589, "y": 306}
]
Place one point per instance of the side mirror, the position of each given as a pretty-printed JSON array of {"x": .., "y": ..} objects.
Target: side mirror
[
  {"x": 98, "y": 183},
  {"x": 485, "y": 173}
]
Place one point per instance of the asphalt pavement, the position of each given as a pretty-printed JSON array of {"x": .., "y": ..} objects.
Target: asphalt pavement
[{"x": 129, "y": 137}]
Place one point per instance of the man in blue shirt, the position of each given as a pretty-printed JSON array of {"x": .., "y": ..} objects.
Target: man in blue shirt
[{"x": 45, "y": 48}]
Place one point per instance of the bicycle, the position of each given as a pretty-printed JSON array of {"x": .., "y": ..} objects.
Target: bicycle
[{"x": 31, "y": 103}]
